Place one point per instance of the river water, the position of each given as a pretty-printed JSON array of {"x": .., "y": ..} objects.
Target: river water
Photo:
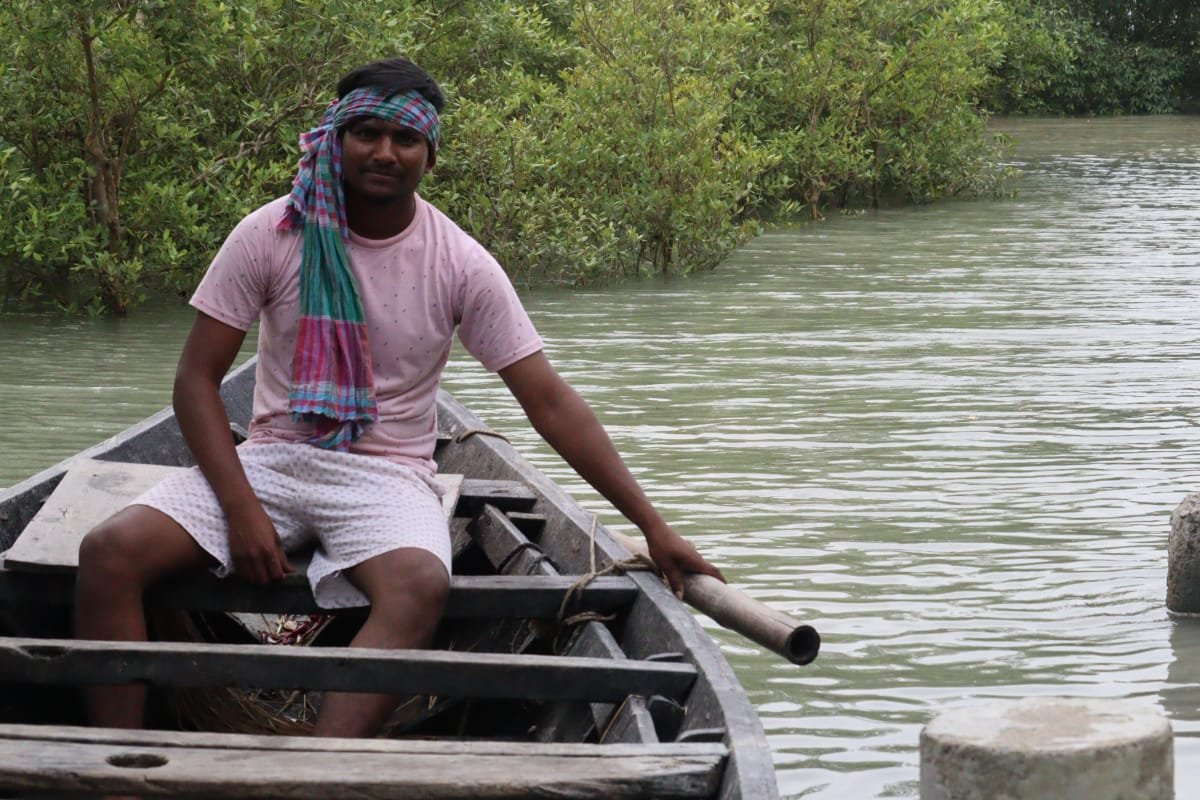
[{"x": 950, "y": 437}]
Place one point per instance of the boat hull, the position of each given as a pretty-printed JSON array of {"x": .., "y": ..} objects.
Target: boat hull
[{"x": 508, "y": 501}]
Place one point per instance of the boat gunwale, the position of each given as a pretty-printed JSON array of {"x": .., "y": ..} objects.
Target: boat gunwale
[{"x": 749, "y": 772}]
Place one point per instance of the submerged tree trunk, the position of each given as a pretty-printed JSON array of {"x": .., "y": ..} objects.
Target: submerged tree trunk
[
  {"x": 102, "y": 178},
  {"x": 102, "y": 183}
]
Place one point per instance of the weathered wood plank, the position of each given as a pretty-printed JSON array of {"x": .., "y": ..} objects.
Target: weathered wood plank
[
  {"x": 93, "y": 490},
  {"x": 471, "y": 596},
  {"x": 628, "y": 722},
  {"x": 250, "y": 741},
  {"x": 510, "y": 553},
  {"x": 631, "y": 722},
  {"x": 166, "y": 764},
  {"x": 508, "y": 549},
  {"x": 574, "y": 721},
  {"x": 533, "y": 596},
  {"x": 429, "y": 672},
  {"x": 504, "y": 495},
  {"x": 88, "y": 494},
  {"x": 532, "y": 525}
]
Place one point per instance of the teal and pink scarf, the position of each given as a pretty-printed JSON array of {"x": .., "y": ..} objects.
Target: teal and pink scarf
[{"x": 333, "y": 386}]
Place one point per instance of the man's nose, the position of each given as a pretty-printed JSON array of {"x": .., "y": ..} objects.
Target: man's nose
[{"x": 386, "y": 150}]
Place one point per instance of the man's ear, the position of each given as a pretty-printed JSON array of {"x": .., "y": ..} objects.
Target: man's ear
[{"x": 431, "y": 159}]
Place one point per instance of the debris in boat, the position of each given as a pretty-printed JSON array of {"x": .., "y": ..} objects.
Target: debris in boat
[{"x": 296, "y": 630}]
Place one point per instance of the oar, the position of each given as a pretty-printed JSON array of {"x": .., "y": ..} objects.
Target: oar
[{"x": 732, "y": 608}]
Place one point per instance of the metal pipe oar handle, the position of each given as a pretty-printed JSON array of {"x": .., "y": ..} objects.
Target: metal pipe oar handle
[{"x": 732, "y": 608}]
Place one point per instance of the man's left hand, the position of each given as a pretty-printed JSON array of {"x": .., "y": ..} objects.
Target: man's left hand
[{"x": 676, "y": 557}]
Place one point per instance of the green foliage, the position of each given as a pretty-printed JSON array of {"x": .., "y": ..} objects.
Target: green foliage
[
  {"x": 80, "y": 88},
  {"x": 1108, "y": 77},
  {"x": 1164, "y": 35},
  {"x": 627, "y": 162},
  {"x": 1098, "y": 57},
  {"x": 1039, "y": 50},
  {"x": 585, "y": 141},
  {"x": 497, "y": 178},
  {"x": 138, "y": 131},
  {"x": 857, "y": 100},
  {"x": 648, "y": 125}
]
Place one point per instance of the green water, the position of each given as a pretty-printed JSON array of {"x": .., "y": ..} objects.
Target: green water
[{"x": 950, "y": 437}]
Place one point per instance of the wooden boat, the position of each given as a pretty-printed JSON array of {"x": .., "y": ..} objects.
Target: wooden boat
[{"x": 543, "y": 685}]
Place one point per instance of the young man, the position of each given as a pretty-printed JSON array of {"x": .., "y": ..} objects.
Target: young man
[{"x": 358, "y": 285}]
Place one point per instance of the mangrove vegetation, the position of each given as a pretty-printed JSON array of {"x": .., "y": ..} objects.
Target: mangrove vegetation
[{"x": 584, "y": 142}]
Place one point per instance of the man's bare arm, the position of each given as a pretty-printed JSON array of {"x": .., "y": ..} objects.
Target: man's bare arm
[
  {"x": 210, "y": 350},
  {"x": 567, "y": 423}
]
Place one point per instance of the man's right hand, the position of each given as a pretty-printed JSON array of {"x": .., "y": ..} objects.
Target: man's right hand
[{"x": 254, "y": 546}]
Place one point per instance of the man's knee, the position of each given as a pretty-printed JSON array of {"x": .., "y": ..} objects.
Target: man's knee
[
  {"x": 408, "y": 581},
  {"x": 136, "y": 546},
  {"x": 108, "y": 549},
  {"x": 424, "y": 582}
]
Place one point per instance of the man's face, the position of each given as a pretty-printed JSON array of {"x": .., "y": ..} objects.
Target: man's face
[{"x": 381, "y": 161}]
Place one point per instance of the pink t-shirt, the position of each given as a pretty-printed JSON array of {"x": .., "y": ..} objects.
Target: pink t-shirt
[{"x": 416, "y": 288}]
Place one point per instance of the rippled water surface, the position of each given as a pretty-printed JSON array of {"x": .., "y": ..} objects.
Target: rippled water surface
[{"x": 950, "y": 437}]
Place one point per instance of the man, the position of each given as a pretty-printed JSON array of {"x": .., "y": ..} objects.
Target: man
[{"x": 358, "y": 285}]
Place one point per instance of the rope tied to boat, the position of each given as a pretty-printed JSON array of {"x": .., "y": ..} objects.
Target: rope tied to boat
[
  {"x": 562, "y": 622},
  {"x": 469, "y": 432},
  {"x": 539, "y": 556}
]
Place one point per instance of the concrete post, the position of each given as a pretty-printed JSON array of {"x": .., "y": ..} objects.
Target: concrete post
[
  {"x": 1048, "y": 748},
  {"x": 1183, "y": 558}
]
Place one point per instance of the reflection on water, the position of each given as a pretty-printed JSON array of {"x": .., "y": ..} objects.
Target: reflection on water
[{"x": 950, "y": 437}]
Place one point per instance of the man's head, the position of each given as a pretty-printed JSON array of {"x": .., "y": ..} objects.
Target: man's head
[
  {"x": 380, "y": 136},
  {"x": 393, "y": 76},
  {"x": 383, "y": 111}
]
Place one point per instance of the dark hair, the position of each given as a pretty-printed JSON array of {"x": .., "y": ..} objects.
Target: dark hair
[{"x": 393, "y": 75}]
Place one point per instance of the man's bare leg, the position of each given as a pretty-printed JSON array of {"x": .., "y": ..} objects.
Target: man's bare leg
[
  {"x": 118, "y": 560},
  {"x": 407, "y": 589}
]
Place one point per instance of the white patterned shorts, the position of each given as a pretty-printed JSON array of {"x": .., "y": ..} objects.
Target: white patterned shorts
[{"x": 351, "y": 507}]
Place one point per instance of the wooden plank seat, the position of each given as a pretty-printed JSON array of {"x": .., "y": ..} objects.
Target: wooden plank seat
[
  {"x": 93, "y": 490},
  {"x": 39, "y": 568},
  {"x": 165, "y": 764},
  {"x": 424, "y": 672},
  {"x": 507, "y": 496},
  {"x": 471, "y": 596}
]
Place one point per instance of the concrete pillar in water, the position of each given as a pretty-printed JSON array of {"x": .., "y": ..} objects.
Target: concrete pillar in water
[
  {"x": 1048, "y": 748},
  {"x": 1183, "y": 558}
]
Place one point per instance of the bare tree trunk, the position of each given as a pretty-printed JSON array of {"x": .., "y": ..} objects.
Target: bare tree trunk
[
  {"x": 103, "y": 178},
  {"x": 102, "y": 188}
]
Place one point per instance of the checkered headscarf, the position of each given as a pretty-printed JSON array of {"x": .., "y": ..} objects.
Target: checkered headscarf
[{"x": 333, "y": 385}]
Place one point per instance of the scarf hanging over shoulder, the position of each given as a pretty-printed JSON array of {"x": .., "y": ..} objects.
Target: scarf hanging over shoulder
[{"x": 333, "y": 386}]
